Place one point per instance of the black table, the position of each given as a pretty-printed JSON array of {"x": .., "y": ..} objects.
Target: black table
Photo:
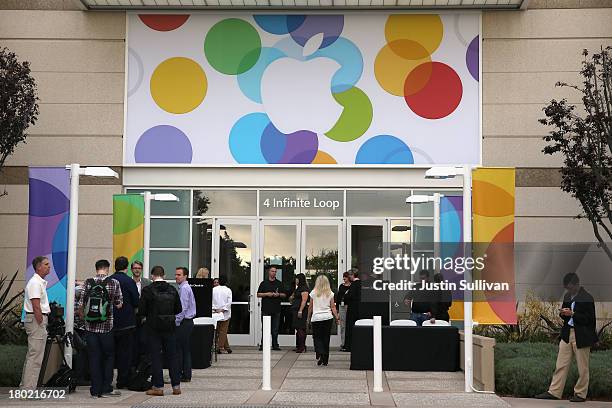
[
  {"x": 201, "y": 345},
  {"x": 407, "y": 348}
]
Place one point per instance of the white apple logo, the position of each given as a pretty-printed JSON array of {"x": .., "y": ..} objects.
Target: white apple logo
[{"x": 297, "y": 93}]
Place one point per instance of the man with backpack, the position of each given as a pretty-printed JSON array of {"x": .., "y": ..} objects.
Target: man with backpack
[
  {"x": 159, "y": 305},
  {"x": 102, "y": 294},
  {"x": 124, "y": 326}
]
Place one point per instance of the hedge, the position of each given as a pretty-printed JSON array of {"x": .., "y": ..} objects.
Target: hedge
[
  {"x": 11, "y": 364},
  {"x": 526, "y": 369}
]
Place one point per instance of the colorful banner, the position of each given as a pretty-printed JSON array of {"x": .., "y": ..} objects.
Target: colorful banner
[
  {"x": 48, "y": 226},
  {"x": 451, "y": 245},
  {"x": 128, "y": 227},
  {"x": 322, "y": 89},
  {"x": 493, "y": 236}
]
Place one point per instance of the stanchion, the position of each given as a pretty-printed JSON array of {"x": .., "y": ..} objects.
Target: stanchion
[
  {"x": 378, "y": 354},
  {"x": 266, "y": 340}
]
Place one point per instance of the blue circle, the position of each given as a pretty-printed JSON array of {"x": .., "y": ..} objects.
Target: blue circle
[
  {"x": 384, "y": 149},
  {"x": 245, "y": 138},
  {"x": 279, "y": 24}
]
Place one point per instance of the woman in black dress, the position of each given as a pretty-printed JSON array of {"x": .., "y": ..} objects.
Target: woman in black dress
[{"x": 299, "y": 308}]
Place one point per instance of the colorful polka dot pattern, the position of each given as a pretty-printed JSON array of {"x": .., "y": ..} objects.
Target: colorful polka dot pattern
[{"x": 404, "y": 66}]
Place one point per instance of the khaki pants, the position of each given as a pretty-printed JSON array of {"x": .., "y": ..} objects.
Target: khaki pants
[
  {"x": 222, "y": 343},
  {"x": 564, "y": 360},
  {"x": 37, "y": 339}
]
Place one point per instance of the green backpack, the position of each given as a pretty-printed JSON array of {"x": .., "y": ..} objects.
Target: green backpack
[{"x": 97, "y": 300}]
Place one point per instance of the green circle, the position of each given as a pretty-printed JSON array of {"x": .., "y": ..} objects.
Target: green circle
[
  {"x": 356, "y": 117},
  {"x": 232, "y": 46}
]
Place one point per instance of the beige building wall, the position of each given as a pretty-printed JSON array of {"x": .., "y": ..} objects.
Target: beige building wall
[{"x": 77, "y": 58}]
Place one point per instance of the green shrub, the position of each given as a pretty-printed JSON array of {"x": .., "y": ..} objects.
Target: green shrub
[
  {"x": 526, "y": 369},
  {"x": 11, "y": 364}
]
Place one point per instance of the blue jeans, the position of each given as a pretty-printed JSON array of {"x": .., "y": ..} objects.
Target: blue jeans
[
  {"x": 419, "y": 318},
  {"x": 183, "y": 342},
  {"x": 163, "y": 345},
  {"x": 101, "y": 353},
  {"x": 275, "y": 323}
]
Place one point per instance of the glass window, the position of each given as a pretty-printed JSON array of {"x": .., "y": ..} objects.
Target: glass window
[
  {"x": 283, "y": 203},
  {"x": 202, "y": 245},
  {"x": 169, "y": 260},
  {"x": 179, "y": 208},
  {"x": 426, "y": 209},
  {"x": 224, "y": 202},
  {"x": 387, "y": 203},
  {"x": 321, "y": 253},
  {"x": 235, "y": 258},
  {"x": 169, "y": 233}
]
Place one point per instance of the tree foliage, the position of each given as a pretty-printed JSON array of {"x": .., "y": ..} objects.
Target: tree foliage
[
  {"x": 18, "y": 103},
  {"x": 583, "y": 136}
]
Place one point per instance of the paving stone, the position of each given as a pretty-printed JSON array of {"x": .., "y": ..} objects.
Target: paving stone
[
  {"x": 320, "y": 398},
  {"x": 228, "y": 372},
  {"x": 451, "y": 400},
  {"x": 202, "y": 397},
  {"x": 425, "y": 385},
  {"x": 325, "y": 372},
  {"x": 228, "y": 384},
  {"x": 438, "y": 375},
  {"x": 338, "y": 385}
]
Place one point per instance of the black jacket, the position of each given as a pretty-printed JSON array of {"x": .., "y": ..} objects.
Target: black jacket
[
  {"x": 125, "y": 318},
  {"x": 584, "y": 319},
  {"x": 147, "y": 298},
  {"x": 352, "y": 298}
]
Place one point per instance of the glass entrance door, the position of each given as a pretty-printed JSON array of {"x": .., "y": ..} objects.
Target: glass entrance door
[
  {"x": 311, "y": 247},
  {"x": 234, "y": 260}
]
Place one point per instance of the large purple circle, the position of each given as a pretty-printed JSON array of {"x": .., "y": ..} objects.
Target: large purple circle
[
  {"x": 330, "y": 25},
  {"x": 471, "y": 57},
  {"x": 163, "y": 144},
  {"x": 302, "y": 147}
]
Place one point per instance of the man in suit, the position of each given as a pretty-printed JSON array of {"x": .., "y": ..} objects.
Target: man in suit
[
  {"x": 577, "y": 336},
  {"x": 352, "y": 298}
]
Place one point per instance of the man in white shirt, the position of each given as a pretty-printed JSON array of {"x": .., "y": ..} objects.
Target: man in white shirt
[
  {"x": 222, "y": 303},
  {"x": 36, "y": 306}
]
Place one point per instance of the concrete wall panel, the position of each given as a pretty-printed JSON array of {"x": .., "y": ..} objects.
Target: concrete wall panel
[
  {"x": 79, "y": 119},
  {"x": 70, "y": 55},
  {"x": 59, "y": 151},
  {"x": 79, "y": 88},
  {"x": 70, "y": 25}
]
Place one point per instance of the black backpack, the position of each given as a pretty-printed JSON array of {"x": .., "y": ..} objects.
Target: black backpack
[
  {"x": 163, "y": 317},
  {"x": 64, "y": 378},
  {"x": 97, "y": 301},
  {"x": 139, "y": 380}
]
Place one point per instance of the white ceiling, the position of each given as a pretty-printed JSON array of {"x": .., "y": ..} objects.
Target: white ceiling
[{"x": 303, "y": 4}]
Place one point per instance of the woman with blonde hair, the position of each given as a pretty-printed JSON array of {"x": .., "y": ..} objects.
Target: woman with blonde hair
[
  {"x": 321, "y": 313},
  {"x": 203, "y": 273}
]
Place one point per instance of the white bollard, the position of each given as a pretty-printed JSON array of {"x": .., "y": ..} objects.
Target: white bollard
[
  {"x": 266, "y": 340},
  {"x": 378, "y": 354}
]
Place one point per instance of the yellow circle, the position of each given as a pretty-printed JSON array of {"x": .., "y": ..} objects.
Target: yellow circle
[
  {"x": 425, "y": 29},
  {"x": 178, "y": 85},
  {"x": 391, "y": 70},
  {"x": 323, "y": 158}
]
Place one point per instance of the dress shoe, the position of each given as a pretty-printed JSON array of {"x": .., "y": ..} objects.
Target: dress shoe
[
  {"x": 176, "y": 390},
  {"x": 546, "y": 395},
  {"x": 185, "y": 380},
  {"x": 260, "y": 348},
  {"x": 319, "y": 362},
  {"x": 277, "y": 348},
  {"x": 155, "y": 392},
  {"x": 229, "y": 351},
  {"x": 576, "y": 398}
]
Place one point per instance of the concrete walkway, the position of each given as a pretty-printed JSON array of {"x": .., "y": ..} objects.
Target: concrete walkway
[{"x": 235, "y": 380}]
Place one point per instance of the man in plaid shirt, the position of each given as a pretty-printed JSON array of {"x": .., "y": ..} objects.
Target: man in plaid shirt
[{"x": 99, "y": 336}]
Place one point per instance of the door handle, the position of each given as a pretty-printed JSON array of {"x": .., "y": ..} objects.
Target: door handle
[{"x": 249, "y": 304}]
